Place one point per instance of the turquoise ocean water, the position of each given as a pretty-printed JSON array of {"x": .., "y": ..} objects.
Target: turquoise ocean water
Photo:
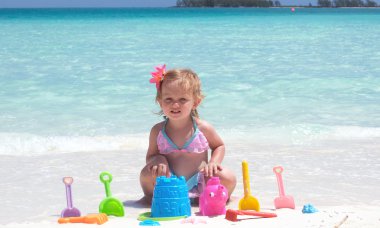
[
  {"x": 301, "y": 90},
  {"x": 77, "y": 79}
]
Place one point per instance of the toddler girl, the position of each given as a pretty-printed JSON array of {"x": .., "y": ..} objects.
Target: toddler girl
[{"x": 179, "y": 145}]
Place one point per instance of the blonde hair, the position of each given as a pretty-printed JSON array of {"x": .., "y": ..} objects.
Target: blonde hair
[{"x": 186, "y": 79}]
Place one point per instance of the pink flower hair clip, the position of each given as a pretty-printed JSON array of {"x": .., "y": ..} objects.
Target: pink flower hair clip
[{"x": 158, "y": 75}]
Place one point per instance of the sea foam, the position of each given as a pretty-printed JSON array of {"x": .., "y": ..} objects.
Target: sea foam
[
  {"x": 19, "y": 144},
  {"x": 34, "y": 145}
]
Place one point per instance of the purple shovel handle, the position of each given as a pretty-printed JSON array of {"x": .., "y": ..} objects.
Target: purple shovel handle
[
  {"x": 67, "y": 181},
  {"x": 70, "y": 211}
]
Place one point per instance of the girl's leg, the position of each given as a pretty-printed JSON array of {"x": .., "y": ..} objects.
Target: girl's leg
[
  {"x": 227, "y": 179},
  {"x": 147, "y": 181}
]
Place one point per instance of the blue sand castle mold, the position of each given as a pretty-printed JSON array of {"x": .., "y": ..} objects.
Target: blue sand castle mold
[{"x": 170, "y": 197}]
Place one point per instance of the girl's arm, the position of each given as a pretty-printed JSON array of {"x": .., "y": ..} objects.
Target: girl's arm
[
  {"x": 153, "y": 148},
  {"x": 217, "y": 149},
  {"x": 157, "y": 163}
]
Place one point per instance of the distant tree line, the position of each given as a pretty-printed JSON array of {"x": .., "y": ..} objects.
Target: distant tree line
[
  {"x": 228, "y": 3},
  {"x": 272, "y": 3},
  {"x": 347, "y": 3}
]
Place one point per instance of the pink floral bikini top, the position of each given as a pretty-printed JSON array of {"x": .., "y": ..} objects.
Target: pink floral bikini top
[{"x": 196, "y": 144}]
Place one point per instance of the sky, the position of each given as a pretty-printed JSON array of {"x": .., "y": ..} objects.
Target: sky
[
  {"x": 114, "y": 3},
  {"x": 111, "y": 3},
  {"x": 86, "y": 3}
]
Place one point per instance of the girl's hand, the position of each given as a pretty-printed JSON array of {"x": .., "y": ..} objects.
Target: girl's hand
[
  {"x": 211, "y": 169},
  {"x": 160, "y": 170}
]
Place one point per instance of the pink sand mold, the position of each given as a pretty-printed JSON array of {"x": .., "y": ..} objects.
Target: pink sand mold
[
  {"x": 213, "y": 199},
  {"x": 193, "y": 220},
  {"x": 283, "y": 201}
]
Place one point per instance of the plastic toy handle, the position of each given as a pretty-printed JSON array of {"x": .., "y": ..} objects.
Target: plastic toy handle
[
  {"x": 247, "y": 187},
  {"x": 278, "y": 171},
  {"x": 68, "y": 181},
  {"x": 256, "y": 213},
  {"x": 89, "y": 219},
  {"x": 71, "y": 220},
  {"x": 106, "y": 178}
]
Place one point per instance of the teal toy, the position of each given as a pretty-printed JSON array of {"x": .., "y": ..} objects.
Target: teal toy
[
  {"x": 309, "y": 208},
  {"x": 149, "y": 223},
  {"x": 110, "y": 205},
  {"x": 148, "y": 216}
]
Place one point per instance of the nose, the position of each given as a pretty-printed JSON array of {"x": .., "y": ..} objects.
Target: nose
[{"x": 175, "y": 104}]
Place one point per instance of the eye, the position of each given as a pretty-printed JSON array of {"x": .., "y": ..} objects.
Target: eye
[
  {"x": 183, "y": 100},
  {"x": 168, "y": 100},
  {"x": 212, "y": 194}
]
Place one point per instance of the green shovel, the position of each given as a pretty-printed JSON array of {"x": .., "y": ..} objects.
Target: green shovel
[{"x": 110, "y": 205}]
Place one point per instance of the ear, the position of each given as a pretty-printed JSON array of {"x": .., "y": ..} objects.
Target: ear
[
  {"x": 197, "y": 102},
  {"x": 159, "y": 102}
]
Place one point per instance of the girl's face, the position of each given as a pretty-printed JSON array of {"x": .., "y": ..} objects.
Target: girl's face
[{"x": 175, "y": 102}]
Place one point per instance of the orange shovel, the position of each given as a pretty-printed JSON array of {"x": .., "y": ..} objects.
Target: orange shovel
[
  {"x": 248, "y": 202},
  {"x": 89, "y": 219}
]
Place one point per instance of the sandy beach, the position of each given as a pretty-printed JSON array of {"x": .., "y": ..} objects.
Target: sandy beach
[
  {"x": 340, "y": 216},
  {"x": 298, "y": 89},
  {"x": 319, "y": 180}
]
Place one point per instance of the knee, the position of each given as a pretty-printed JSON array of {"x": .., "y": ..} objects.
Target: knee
[
  {"x": 229, "y": 181},
  {"x": 157, "y": 160},
  {"x": 232, "y": 183},
  {"x": 146, "y": 171},
  {"x": 147, "y": 180}
]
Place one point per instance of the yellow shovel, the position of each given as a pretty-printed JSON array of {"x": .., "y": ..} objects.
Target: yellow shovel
[{"x": 248, "y": 202}]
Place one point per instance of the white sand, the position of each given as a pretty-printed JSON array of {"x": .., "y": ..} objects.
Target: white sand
[
  {"x": 357, "y": 216},
  {"x": 340, "y": 179}
]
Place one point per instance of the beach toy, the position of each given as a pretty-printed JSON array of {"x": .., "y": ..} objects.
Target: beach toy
[
  {"x": 149, "y": 223},
  {"x": 70, "y": 211},
  {"x": 341, "y": 222},
  {"x": 110, "y": 205},
  {"x": 170, "y": 197},
  {"x": 231, "y": 215},
  {"x": 89, "y": 219},
  {"x": 308, "y": 209},
  {"x": 193, "y": 220},
  {"x": 213, "y": 199},
  {"x": 283, "y": 201},
  {"x": 148, "y": 216},
  {"x": 170, "y": 200},
  {"x": 248, "y": 202}
]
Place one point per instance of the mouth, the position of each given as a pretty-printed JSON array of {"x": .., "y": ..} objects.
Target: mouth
[{"x": 175, "y": 112}]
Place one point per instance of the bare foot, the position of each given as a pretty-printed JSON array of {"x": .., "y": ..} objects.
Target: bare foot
[{"x": 145, "y": 201}]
